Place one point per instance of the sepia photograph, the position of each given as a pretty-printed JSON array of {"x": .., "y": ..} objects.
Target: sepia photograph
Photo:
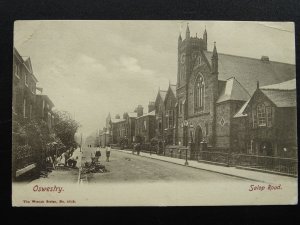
[{"x": 154, "y": 113}]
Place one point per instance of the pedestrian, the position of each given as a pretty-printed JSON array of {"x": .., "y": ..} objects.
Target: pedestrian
[
  {"x": 64, "y": 158},
  {"x": 72, "y": 161},
  {"x": 97, "y": 154},
  {"x": 107, "y": 153}
]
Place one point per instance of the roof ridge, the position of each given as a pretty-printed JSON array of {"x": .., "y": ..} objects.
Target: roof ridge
[
  {"x": 248, "y": 57},
  {"x": 276, "y": 89},
  {"x": 242, "y": 86}
]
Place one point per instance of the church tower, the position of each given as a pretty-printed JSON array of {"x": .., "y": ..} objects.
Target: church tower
[{"x": 189, "y": 50}]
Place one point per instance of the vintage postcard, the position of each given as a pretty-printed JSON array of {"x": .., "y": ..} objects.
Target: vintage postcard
[{"x": 154, "y": 113}]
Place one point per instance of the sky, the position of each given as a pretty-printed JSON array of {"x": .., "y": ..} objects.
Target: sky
[{"x": 92, "y": 68}]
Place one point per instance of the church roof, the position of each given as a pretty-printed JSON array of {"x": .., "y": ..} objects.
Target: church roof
[
  {"x": 249, "y": 70},
  {"x": 233, "y": 90},
  {"x": 281, "y": 98},
  {"x": 287, "y": 85},
  {"x": 281, "y": 94}
]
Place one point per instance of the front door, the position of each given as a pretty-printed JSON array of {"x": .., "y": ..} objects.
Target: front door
[{"x": 198, "y": 139}]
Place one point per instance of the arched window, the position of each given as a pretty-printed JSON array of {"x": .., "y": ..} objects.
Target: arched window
[
  {"x": 261, "y": 115},
  {"x": 199, "y": 92}
]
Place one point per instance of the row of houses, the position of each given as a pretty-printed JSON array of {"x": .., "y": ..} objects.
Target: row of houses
[
  {"x": 221, "y": 104},
  {"x": 28, "y": 103},
  {"x": 28, "y": 100}
]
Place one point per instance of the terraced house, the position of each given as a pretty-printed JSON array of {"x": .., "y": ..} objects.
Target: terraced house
[{"x": 27, "y": 105}]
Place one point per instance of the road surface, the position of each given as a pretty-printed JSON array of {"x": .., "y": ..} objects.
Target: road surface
[{"x": 124, "y": 167}]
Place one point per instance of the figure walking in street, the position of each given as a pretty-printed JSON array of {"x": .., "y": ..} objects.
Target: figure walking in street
[
  {"x": 107, "y": 153},
  {"x": 97, "y": 154}
]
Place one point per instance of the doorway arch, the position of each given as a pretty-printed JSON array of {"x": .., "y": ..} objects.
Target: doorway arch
[{"x": 198, "y": 138}]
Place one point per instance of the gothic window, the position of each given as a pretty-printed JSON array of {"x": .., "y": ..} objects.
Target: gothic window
[
  {"x": 261, "y": 115},
  {"x": 269, "y": 115},
  {"x": 199, "y": 92},
  {"x": 199, "y": 60},
  {"x": 170, "y": 119},
  {"x": 182, "y": 73}
]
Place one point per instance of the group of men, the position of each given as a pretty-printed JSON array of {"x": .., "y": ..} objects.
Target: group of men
[
  {"x": 67, "y": 158},
  {"x": 95, "y": 155}
]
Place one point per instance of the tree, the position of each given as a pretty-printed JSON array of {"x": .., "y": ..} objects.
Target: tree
[{"x": 65, "y": 128}]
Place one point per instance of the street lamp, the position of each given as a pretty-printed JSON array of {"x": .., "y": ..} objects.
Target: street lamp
[{"x": 185, "y": 125}]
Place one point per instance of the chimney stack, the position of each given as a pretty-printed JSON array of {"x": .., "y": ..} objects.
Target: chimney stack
[
  {"x": 139, "y": 110},
  {"x": 151, "y": 106}
]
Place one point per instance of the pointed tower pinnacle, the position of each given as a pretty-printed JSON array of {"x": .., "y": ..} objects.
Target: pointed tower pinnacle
[
  {"x": 214, "y": 60},
  {"x": 215, "y": 53},
  {"x": 205, "y": 39},
  {"x": 179, "y": 38},
  {"x": 187, "y": 33}
]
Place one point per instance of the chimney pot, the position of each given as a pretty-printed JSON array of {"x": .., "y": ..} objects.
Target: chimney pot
[{"x": 265, "y": 58}]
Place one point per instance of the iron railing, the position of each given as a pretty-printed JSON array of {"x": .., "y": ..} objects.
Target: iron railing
[
  {"x": 218, "y": 157},
  {"x": 268, "y": 163},
  {"x": 24, "y": 157}
]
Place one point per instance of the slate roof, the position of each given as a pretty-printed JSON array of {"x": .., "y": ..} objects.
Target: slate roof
[
  {"x": 249, "y": 70},
  {"x": 114, "y": 120},
  {"x": 152, "y": 113},
  {"x": 132, "y": 114},
  {"x": 162, "y": 94},
  {"x": 281, "y": 98},
  {"x": 173, "y": 88},
  {"x": 233, "y": 90},
  {"x": 287, "y": 85}
]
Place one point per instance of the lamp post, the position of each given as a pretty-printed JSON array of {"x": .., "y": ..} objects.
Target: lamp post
[{"x": 185, "y": 125}]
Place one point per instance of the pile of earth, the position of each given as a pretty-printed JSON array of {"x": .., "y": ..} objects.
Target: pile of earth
[{"x": 93, "y": 167}]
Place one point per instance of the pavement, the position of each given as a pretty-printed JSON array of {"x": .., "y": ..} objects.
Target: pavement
[
  {"x": 63, "y": 174},
  {"x": 231, "y": 171}
]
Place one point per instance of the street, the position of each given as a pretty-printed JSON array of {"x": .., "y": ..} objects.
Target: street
[{"x": 124, "y": 167}]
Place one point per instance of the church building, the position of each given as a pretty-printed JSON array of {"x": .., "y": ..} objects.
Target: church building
[{"x": 212, "y": 87}]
